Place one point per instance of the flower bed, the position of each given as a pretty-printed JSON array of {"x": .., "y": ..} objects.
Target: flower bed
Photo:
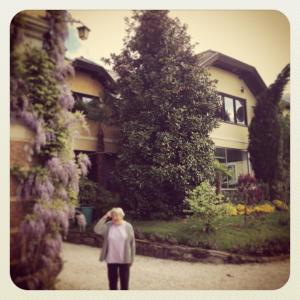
[{"x": 264, "y": 208}]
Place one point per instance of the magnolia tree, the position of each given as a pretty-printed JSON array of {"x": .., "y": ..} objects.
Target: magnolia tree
[{"x": 166, "y": 111}]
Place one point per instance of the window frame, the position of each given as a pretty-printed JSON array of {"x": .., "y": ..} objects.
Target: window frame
[
  {"x": 85, "y": 95},
  {"x": 98, "y": 108},
  {"x": 226, "y": 149},
  {"x": 234, "y": 98}
]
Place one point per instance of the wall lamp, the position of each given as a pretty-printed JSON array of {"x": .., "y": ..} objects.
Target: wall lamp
[{"x": 83, "y": 31}]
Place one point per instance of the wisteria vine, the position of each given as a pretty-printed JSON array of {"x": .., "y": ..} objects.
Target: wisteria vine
[{"x": 42, "y": 101}]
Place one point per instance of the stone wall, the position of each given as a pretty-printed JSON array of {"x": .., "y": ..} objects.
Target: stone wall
[{"x": 176, "y": 252}]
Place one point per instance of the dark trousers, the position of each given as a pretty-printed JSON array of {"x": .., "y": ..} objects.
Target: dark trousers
[{"x": 114, "y": 271}]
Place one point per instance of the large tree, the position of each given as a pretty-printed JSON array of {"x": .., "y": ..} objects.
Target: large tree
[
  {"x": 285, "y": 125},
  {"x": 266, "y": 136},
  {"x": 166, "y": 110}
]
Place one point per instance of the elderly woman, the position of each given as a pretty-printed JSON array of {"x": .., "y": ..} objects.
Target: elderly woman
[{"x": 118, "y": 248}]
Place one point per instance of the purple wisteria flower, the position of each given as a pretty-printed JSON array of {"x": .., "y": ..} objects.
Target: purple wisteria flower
[
  {"x": 43, "y": 187},
  {"x": 50, "y": 136},
  {"x": 61, "y": 217},
  {"x": 33, "y": 229},
  {"x": 62, "y": 193},
  {"x": 29, "y": 119},
  {"x": 40, "y": 139},
  {"x": 71, "y": 211},
  {"x": 48, "y": 262},
  {"x": 52, "y": 247},
  {"x": 72, "y": 171},
  {"x": 84, "y": 163},
  {"x": 43, "y": 213},
  {"x": 71, "y": 168},
  {"x": 57, "y": 169},
  {"x": 66, "y": 98},
  {"x": 28, "y": 186}
]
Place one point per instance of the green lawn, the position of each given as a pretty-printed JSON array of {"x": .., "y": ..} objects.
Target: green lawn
[{"x": 267, "y": 234}]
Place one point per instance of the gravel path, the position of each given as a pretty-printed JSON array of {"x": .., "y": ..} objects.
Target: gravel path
[{"x": 83, "y": 271}]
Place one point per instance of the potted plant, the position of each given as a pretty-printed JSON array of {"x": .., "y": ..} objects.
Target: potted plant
[{"x": 95, "y": 198}]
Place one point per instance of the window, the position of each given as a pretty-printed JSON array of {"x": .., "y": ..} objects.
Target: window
[
  {"x": 237, "y": 162},
  {"x": 91, "y": 106},
  {"x": 233, "y": 110},
  {"x": 87, "y": 99},
  {"x": 240, "y": 109},
  {"x": 228, "y": 109}
]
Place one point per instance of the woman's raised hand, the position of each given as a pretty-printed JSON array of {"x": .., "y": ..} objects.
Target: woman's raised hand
[{"x": 108, "y": 214}]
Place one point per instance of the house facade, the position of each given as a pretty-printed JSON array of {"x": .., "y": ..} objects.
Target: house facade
[{"x": 238, "y": 85}]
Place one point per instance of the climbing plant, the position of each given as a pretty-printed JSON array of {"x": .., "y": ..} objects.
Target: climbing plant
[{"x": 42, "y": 101}]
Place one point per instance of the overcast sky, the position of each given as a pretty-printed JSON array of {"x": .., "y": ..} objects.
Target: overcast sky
[{"x": 258, "y": 38}]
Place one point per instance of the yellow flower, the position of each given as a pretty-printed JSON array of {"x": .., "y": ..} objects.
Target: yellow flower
[
  {"x": 240, "y": 209},
  {"x": 230, "y": 209},
  {"x": 280, "y": 205},
  {"x": 264, "y": 208}
]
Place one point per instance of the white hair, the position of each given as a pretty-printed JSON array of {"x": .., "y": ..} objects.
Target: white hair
[{"x": 118, "y": 211}]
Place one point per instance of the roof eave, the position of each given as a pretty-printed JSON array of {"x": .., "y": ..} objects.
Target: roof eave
[
  {"x": 95, "y": 70},
  {"x": 247, "y": 72}
]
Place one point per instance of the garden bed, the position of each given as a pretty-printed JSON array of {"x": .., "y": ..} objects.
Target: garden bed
[
  {"x": 176, "y": 252},
  {"x": 263, "y": 235},
  {"x": 264, "y": 238}
]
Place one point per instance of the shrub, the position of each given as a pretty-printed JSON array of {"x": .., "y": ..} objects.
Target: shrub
[
  {"x": 205, "y": 204},
  {"x": 249, "y": 189},
  {"x": 280, "y": 205},
  {"x": 231, "y": 196},
  {"x": 230, "y": 209},
  {"x": 87, "y": 192},
  {"x": 93, "y": 194},
  {"x": 249, "y": 210},
  {"x": 264, "y": 208},
  {"x": 242, "y": 209}
]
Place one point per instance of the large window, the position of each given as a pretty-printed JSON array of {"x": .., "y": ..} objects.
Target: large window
[
  {"x": 233, "y": 110},
  {"x": 91, "y": 106},
  {"x": 237, "y": 162}
]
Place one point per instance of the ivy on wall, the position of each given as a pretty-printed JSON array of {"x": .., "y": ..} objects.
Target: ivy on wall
[{"x": 42, "y": 101}]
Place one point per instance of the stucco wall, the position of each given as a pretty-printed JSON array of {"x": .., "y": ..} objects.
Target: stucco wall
[
  {"x": 232, "y": 135},
  {"x": 86, "y": 84},
  {"x": 88, "y": 140},
  {"x": 226, "y": 135}
]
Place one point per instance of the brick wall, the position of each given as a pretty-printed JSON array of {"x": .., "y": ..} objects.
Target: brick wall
[{"x": 18, "y": 207}]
